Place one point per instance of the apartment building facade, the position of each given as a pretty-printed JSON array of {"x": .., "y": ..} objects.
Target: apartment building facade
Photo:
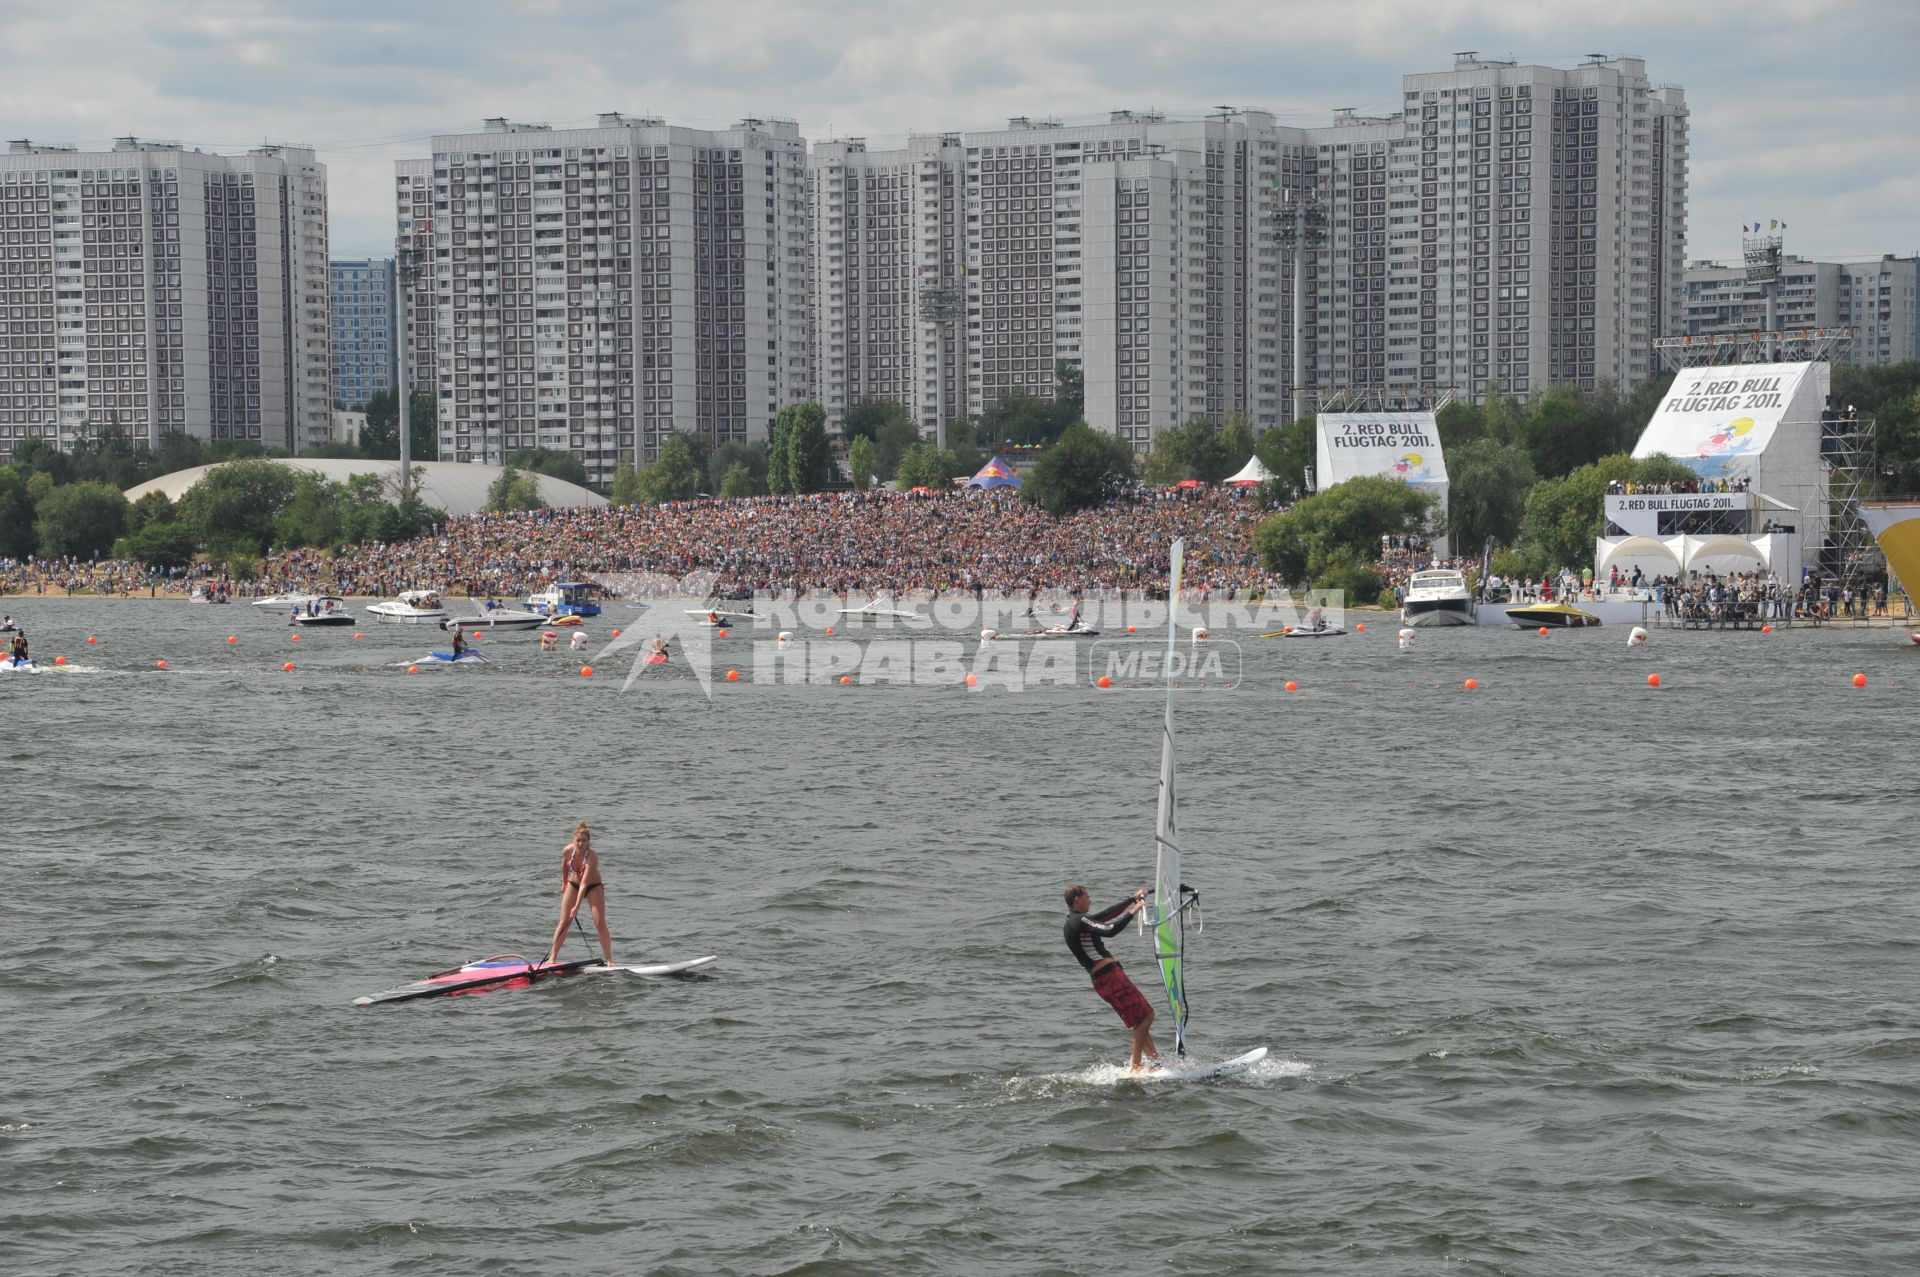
[
  {"x": 1881, "y": 298},
  {"x": 149, "y": 288},
  {"x": 594, "y": 289},
  {"x": 364, "y": 351},
  {"x": 1519, "y": 225}
]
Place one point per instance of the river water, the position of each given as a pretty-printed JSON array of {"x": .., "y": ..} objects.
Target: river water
[{"x": 1562, "y": 974}]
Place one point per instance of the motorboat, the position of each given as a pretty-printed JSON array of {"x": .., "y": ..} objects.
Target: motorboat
[
  {"x": 326, "y": 610},
  {"x": 201, "y": 594},
  {"x": 1561, "y": 616},
  {"x": 499, "y": 618},
  {"x": 10, "y": 665},
  {"x": 717, "y": 613},
  {"x": 292, "y": 598},
  {"x": 568, "y": 598},
  {"x": 468, "y": 657},
  {"x": 873, "y": 610},
  {"x": 1313, "y": 626},
  {"x": 413, "y": 607},
  {"x": 1437, "y": 596}
]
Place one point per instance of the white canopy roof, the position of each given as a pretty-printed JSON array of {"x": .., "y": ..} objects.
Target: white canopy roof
[
  {"x": 1255, "y": 471},
  {"x": 459, "y": 488}
]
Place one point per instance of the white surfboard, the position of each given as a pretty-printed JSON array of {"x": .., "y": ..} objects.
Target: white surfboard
[
  {"x": 663, "y": 968},
  {"x": 1201, "y": 1072}
]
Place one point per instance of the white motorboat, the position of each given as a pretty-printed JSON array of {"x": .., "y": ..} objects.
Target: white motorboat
[
  {"x": 1437, "y": 596},
  {"x": 413, "y": 607},
  {"x": 326, "y": 610},
  {"x": 499, "y": 618},
  {"x": 718, "y": 613},
  {"x": 873, "y": 610},
  {"x": 291, "y": 599},
  {"x": 201, "y": 594}
]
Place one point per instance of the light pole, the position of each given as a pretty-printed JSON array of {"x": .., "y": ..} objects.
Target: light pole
[
  {"x": 410, "y": 257},
  {"x": 941, "y": 305},
  {"x": 1303, "y": 226}
]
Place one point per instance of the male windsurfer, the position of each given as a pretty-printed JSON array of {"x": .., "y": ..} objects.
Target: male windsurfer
[{"x": 1086, "y": 935}]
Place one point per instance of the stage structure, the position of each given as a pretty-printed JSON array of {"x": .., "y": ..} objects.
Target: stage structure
[
  {"x": 1756, "y": 437},
  {"x": 1393, "y": 445}
]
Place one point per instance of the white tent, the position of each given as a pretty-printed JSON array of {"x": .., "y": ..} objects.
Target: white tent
[
  {"x": 1682, "y": 556},
  {"x": 1253, "y": 472}
]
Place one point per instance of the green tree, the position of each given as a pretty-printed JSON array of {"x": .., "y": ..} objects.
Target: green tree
[
  {"x": 867, "y": 418},
  {"x": 1459, "y": 423},
  {"x": 514, "y": 490},
  {"x": 380, "y": 439},
  {"x": 1337, "y": 526},
  {"x": 1019, "y": 416},
  {"x": 779, "y": 467},
  {"x": 43, "y": 456},
  {"x": 1502, "y": 415},
  {"x": 925, "y": 466},
  {"x": 1069, "y": 395},
  {"x": 17, "y": 535},
  {"x": 809, "y": 455},
  {"x": 1560, "y": 434},
  {"x": 335, "y": 450},
  {"x": 1237, "y": 441},
  {"x": 1084, "y": 468},
  {"x": 625, "y": 489},
  {"x": 554, "y": 462},
  {"x": 1565, "y": 515},
  {"x": 1197, "y": 450},
  {"x": 737, "y": 482},
  {"x": 104, "y": 453},
  {"x": 860, "y": 463},
  {"x": 167, "y": 544},
  {"x": 1288, "y": 452},
  {"x": 233, "y": 507},
  {"x": 672, "y": 475},
  {"x": 1487, "y": 492},
  {"x": 311, "y": 515},
  {"x": 722, "y": 460},
  {"x": 80, "y": 519}
]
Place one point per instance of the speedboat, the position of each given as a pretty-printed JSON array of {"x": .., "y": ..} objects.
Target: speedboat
[
  {"x": 413, "y": 607},
  {"x": 568, "y": 598},
  {"x": 1562, "y": 616},
  {"x": 500, "y": 618},
  {"x": 292, "y": 598},
  {"x": 717, "y": 613},
  {"x": 872, "y": 609},
  {"x": 323, "y": 611},
  {"x": 201, "y": 594},
  {"x": 1437, "y": 596}
]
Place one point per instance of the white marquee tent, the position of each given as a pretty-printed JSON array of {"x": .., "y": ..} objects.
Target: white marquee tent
[{"x": 1255, "y": 471}]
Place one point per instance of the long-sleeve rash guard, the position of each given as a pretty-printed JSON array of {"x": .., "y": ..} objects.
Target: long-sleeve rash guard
[{"x": 1086, "y": 932}]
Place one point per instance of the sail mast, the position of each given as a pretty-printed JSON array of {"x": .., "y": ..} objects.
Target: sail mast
[{"x": 1168, "y": 938}]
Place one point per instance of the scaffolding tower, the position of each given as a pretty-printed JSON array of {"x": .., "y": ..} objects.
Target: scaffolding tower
[
  {"x": 1792, "y": 345},
  {"x": 1852, "y": 556}
]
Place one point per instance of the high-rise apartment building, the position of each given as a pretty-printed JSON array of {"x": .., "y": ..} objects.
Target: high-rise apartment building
[
  {"x": 593, "y": 289},
  {"x": 1514, "y": 224},
  {"x": 152, "y": 289},
  {"x": 1881, "y": 298},
  {"x": 364, "y": 352}
]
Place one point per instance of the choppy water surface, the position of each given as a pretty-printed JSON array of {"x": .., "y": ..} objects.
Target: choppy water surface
[{"x": 1563, "y": 974}]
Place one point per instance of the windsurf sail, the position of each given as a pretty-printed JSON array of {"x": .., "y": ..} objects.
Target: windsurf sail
[
  {"x": 1171, "y": 896},
  {"x": 502, "y": 971}
]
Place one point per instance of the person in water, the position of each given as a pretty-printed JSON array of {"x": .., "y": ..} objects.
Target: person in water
[
  {"x": 459, "y": 642},
  {"x": 1086, "y": 935},
  {"x": 580, "y": 881}
]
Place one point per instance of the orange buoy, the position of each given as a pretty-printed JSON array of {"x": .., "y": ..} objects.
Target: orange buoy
[
  {"x": 1360, "y": 628},
  {"x": 1286, "y": 629},
  {"x": 586, "y": 671},
  {"x": 1859, "y": 680},
  {"x": 971, "y": 680},
  {"x": 413, "y": 669},
  {"x": 159, "y": 665},
  {"x": 1292, "y": 686},
  {"x": 1129, "y": 629},
  {"x": 1472, "y": 683},
  {"x": 733, "y": 676},
  {"x": 1653, "y": 680},
  {"x": 357, "y": 634},
  {"x": 1105, "y": 681},
  {"x": 616, "y": 633},
  {"x": 233, "y": 638},
  {"x": 294, "y": 637},
  {"x": 92, "y": 639},
  {"x": 1543, "y": 631},
  {"x": 1766, "y": 629},
  {"x": 61, "y": 660},
  {"x": 829, "y": 630},
  {"x": 848, "y": 678},
  {"x": 723, "y": 633},
  {"x": 288, "y": 667}
]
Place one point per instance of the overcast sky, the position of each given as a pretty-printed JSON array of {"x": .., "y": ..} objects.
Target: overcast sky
[{"x": 1802, "y": 110}]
